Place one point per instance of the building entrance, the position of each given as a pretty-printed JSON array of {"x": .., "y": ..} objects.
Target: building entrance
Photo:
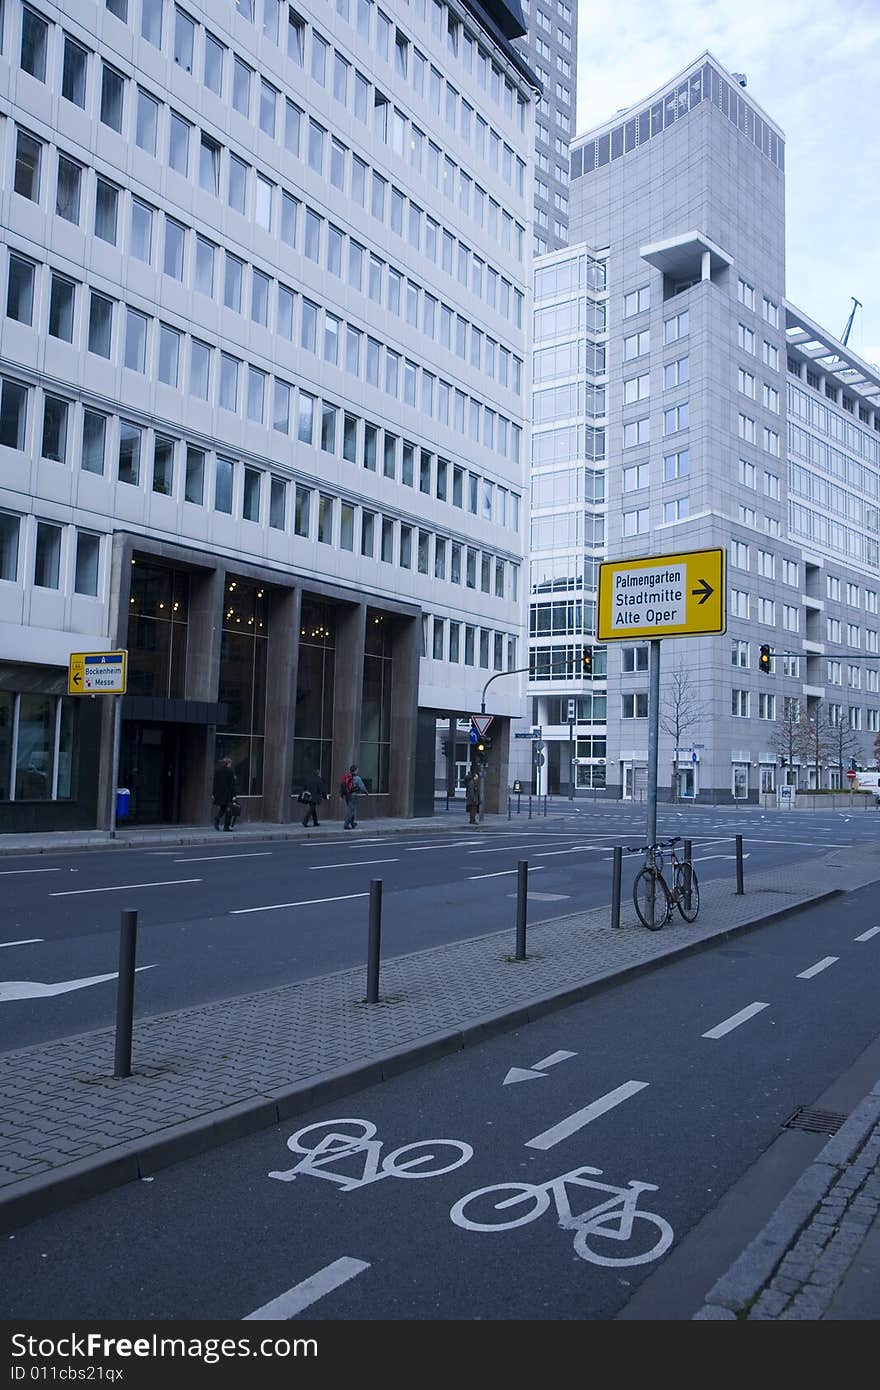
[{"x": 152, "y": 767}]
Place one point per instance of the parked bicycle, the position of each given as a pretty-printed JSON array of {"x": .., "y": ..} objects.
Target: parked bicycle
[{"x": 654, "y": 897}]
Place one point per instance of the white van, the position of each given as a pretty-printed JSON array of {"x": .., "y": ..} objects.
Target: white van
[{"x": 867, "y": 782}]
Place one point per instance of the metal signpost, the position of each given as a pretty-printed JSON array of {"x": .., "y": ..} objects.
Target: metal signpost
[
  {"x": 102, "y": 673},
  {"x": 654, "y": 597},
  {"x": 479, "y": 725}
]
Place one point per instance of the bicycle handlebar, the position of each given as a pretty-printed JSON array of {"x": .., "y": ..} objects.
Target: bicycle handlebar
[{"x": 661, "y": 844}]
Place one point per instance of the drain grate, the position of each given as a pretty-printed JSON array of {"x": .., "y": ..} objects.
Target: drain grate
[{"x": 815, "y": 1121}]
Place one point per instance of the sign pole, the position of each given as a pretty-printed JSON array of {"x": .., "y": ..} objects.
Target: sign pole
[
  {"x": 571, "y": 762},
  {"x": 114, "y": 773},
  {"x": 653, "y": 734}
]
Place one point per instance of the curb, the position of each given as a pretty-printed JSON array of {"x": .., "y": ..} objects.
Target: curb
[
  {"x": 34, "y": 1198},
  {"x": 735, "y": 1291}
]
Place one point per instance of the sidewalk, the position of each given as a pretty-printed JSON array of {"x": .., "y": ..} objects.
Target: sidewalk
[{"x": 209, "y": 1074}]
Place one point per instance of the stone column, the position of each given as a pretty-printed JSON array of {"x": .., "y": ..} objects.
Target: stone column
[
  {"x": 495, "y": 785},
  {"x": 203, "y": 637},
  {"x": 348, "y": 694},
  {"x": 405, "y": 655},
  {"x": 117, "y": 631},
  {"x": 284, "y": 615}
]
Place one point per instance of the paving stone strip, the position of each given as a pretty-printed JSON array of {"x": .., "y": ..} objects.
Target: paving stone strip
[{"x": 256, "y": 1058}]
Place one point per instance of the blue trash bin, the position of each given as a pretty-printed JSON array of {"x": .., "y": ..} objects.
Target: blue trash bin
[{"x": 123, "y": 802}]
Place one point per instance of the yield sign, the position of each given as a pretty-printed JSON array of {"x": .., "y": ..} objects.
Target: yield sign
[{"x": 481, "y": 722}]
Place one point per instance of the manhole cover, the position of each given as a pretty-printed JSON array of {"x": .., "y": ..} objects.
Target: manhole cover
[{"x": 815, "y": 1121}]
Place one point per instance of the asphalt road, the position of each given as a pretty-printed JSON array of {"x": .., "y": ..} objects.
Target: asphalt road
[
  {"x": 680, "y": 1079},
  {"x": 234, "y": 915}
]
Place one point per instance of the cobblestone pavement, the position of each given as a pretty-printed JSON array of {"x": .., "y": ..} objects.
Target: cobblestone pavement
[
  {"x": 818, "y": 1257},
  {"x": 245, "y": 1062}
]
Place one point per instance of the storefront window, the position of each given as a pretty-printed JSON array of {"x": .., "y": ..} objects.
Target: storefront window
[
  {"x": 34, "y": 748},
  {"x": 7, "y": 702},
  {"x": 243, "y": 657},
  {"x": 313, "y": 735},
  {"x": 375, "y": 745},
  {"x": 157, "y": 623}
]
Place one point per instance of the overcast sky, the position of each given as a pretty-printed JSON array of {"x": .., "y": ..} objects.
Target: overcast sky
[{"x": 815, "y": 68}]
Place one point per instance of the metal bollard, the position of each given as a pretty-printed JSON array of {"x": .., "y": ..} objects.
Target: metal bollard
[
  {"x": 125, "y": 992},
  {"x": 508, "y": 808},
  {"x": 522, "y": 901},
  {"x": 374, "y": 941},
  {"x": 688, "y": 859},
  {"x": 545, "y": 805},
  {"x": 615, "y": 886},
  {"x": 739, "y": 865},
  {"x": 530, "y": 806}
]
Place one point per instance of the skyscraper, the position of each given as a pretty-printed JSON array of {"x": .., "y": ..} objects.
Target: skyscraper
[{"x": 551, "y": 49}]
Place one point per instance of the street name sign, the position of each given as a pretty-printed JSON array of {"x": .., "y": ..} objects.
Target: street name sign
[
  {"x": 662, "y": 596},
  {"x": 97, "y": 673}
]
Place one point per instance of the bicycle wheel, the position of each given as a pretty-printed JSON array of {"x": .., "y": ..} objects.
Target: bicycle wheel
[
  {"x": 331, "y": 1129},
  {"x": 522, "y": 1191},
  {"x": 596, "y": 1230},
  {"x": 414, "y": 1166},
  {"x": 651, "y": 898},
  {"x": 686, "y": 878}
]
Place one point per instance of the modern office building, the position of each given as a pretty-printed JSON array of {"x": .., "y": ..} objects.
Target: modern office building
[
  {"x": 682, "y": 403},
  {"x": 264, "y": 276},
  {"x": 550, "y": 48}
]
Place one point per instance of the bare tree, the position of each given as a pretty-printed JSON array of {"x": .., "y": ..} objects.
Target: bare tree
[
  {"x": 785, "y": 741},
  {"x": 877, "y": 750},
  {"x": 813, "y": 736},
  {"x": 844, "y": 743},
  {"x": 680, "y": 711}
]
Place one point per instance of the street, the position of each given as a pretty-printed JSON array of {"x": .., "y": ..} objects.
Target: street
[
  {"x": 677, "y": 1082},
  {"x": 233, "y": 916}
]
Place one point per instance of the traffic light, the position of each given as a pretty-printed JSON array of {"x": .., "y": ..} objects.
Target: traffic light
[
  {"x": 764, "y": 659},
  {"x": 587, "y": 660},
  {"x": 484, "y": 748}
]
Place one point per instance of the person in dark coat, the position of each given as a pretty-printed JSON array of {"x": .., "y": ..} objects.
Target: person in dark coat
[
  {"x": 472, "y": 797},
  {"x": 315, "y": 788},
  {"x": 224, "y": 793}
]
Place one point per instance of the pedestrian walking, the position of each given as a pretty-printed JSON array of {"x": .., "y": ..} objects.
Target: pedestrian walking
[
  {"x": 350, "y": 788},
  {"x": 472, "y": 796},
  {"x": 224, "y": 793},
  {"x": 314, "y": 794}
]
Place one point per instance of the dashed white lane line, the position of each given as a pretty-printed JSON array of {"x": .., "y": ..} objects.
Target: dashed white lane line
[
  {"x": 353, "y": 863},
  {"x": 303, "y": 1295},
  {"x": 499, "y": 873},
  {"x": 866, "y": 935},
  {"x": 539, "y": 849},
  {"x": 817, "y": 969},
  {"x": 123, "y": 887},
  {"x": 28, "y": 941},
  {"x": 735, "y": 1020},
  {"x": 572, "y": 1123},
  {"x": 221, "y": 858},
  {"x": 306, "y": 902},
  {"x": 7, "y": 873}
]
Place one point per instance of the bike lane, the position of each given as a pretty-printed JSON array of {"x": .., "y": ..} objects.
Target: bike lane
[{"x": 651, "y": 1083}]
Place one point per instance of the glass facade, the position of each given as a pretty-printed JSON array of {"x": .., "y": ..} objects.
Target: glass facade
[
  {"x": 157, "y": 628},
  {"x": 243, "y": 661},
  {"x": 315, "y": 676},
  {"x": 375, "y": 748}
]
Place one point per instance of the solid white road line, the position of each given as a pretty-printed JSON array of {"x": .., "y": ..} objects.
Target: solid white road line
[
  {"x": 817, "y": 969},
  {"x": 123, "y": 887},
  {"x": 28, "y": 941},
  {"x": 221, "y": 858},
  {"x": 307, "y": 902},
  {"x": 500, "y": 873},
  {"x": 735, "y": 1020},
  {"x": 539, "y": 849},
  {"x": 353, "y": 863},
  {"x": 574, "y": 1122},
  {"x": 7, "y": 873},
  {"x": 303, "y": 1295},
  {"x": 866, "y": 935}
]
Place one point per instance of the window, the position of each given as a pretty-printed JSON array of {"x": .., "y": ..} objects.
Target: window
[
  {"x": 129, "y": 459},
  {"x": 204, "y": 281},
  {"x": 141, "y": 241},
  {"x": 106, "y": 211},
  {"x": 47, "y": 556},
  {"x": 28, "y": 155},
  {"x": 184, "y": 39},
  {"x": 146, "y": 122},
  {"x": 676, "y": 327},
  {"x": 636, "y": 345},
  {"x": 739, "y": 555},
  {"x": 771, "y": 398},
  {"x": 169, "y": 355},
  {"x": 237, "y": 188},
  {"x": 368, "y": 524},
  {"x": 55, "y": 415},
  {"x": 636, "y": 432},
  {"x": 13, "y": 413},
  {"x": 73, "y": 72},
  {"x": 62, "y": 297},
  {"x": 745, "y": 338},
  {"x": 739, "y": 653},
  {"x": 771, "y": 442},
  {"x": 676, "y": 373},
  {"x": 178, "y": 144},
  {"x": 746, "y": 428},
  {"x": 675, "y": 418},
  {"x": 250, "y": 497},
  {"x": 739, "y": 704},
  {"x": 637, "y": 388},
  {"x": 746, "y": 293},
  {"x": 739, "y": 603},
  {"x": 175, "y": 245},
  {"x": 112, "y": 95},
  {"x": 163, "y": 466},
  {"x": 634, "y": 705},
  {"x": 771, "y": 356},
  {"x": 767, "y": 564},
  {"x": 832, "y": 587},
  {"x": 224, "y": 476},
  {"x": 676, "y": 510},
  {"x": 20, "y": 289},
  {"x": 135, "y": 357},
  {"x": 676, "y": 465},
  {"x": 746, "y": 382},
  {"x": 94, "y": 437},
  {"x": 194, "y": 480},
  {"x": 766, "y": 610},
  {"x": 232, "y": 279},
  {"x": 213, "y": 71},
  {"x": 635, "y": 523},
  {"x": 635, "y": 478},
  {"x": 268, "y": 107},
  {"x": 34, "y": 43},
  {"x": 209, "y": 165},
  {"x": 771, "y": 485},
  {"x": 228, "y": 396},
  {"x": 637, "y": 301},
  {"x": 151, "y": 21},
  {"x": 766, "y": 706},
  {"x": 771, "y": 312}
]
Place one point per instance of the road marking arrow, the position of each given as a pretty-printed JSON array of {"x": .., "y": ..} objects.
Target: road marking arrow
[
  {"x": 538, "y": 1070},
  {"x": 34, "y": 989},
  {"x": 705, "y": 589}
]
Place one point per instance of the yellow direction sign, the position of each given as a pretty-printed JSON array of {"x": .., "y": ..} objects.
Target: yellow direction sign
[
  {"x": 662, "y": 596},
  {"x": 97, "y": 673}
]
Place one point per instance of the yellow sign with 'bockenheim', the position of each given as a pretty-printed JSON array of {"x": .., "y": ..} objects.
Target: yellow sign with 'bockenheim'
[{"x": 662, "y": 596}]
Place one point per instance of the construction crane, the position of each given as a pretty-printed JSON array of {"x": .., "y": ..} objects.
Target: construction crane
[{"x": 857, "y": 304}]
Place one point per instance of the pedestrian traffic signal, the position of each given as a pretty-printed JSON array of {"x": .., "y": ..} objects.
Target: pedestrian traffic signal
[
  {"x": 764, "y": 659},
  {"x": 587, "y": 660}
]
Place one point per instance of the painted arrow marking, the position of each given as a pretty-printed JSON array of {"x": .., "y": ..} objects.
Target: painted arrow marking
[
  {"x": 539, "y": 1069},
  {"x": 34, "y": 989}
]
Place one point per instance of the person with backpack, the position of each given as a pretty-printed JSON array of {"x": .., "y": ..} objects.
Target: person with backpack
[
  {"x": 312, "y": 795},
  {"x": 224, "y": 792},
  {"x": 350, "y": 788}
]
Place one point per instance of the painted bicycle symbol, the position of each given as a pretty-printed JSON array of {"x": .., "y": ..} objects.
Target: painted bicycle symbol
[
  {"x": 345, "y": 1152},
  {"x": 610, "y": 1220}
]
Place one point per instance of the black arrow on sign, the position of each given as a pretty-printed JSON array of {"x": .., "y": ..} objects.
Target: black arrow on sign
[
  {"x": 76, "y": 678},
  {"x": 705, "y": 589}
]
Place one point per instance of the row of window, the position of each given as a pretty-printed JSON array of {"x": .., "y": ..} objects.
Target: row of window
[
  {"x": 159, "y": 350},
  {"x": 822, "y": 530},
  {"x": 748, "y": 431},
  {"x": 98, "y": 438},
  {"x": 835, "y": 629},
  {"x": 807, "y": 409},
  {"x": 51, "y": 555},
  {"x": 747, "y": 385},
  {"x": 838, "y": 501},
  {"x": 836, "y": 393},
  {"x": 818, "y": 452},
  {"x": 675, "y": 419},
  {"x": 742, "y": 707},
  {"x": 834, "y": 590},
  {"x": 460, "y": 643},
  {"x": 740, "y": 556},
  {"x": 36, "y": 742},
  {"x": 769, "y": 308},
  {"x": 854, "y": 674},
  {"x": 740, "y": 656}
]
